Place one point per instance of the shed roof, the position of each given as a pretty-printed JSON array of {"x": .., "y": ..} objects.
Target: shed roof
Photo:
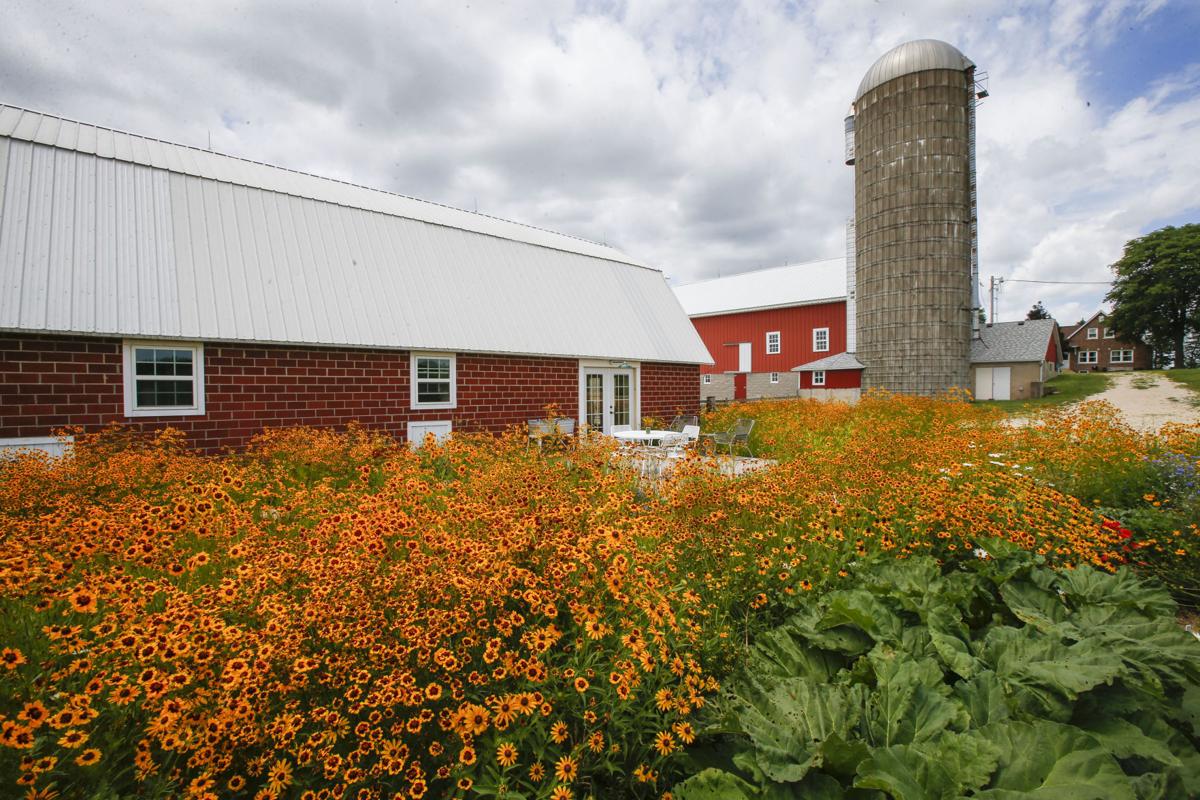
[
  {"x": 830, "y": 363},
  {"x": 1026, "y": 340},
  {"x": 110, "y": 233},
  {"x": 812, "y": 282}
]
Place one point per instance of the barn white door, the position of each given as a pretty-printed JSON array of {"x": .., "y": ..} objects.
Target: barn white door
[
  {"x": 983, "y": 383},
  {"x": 1001, "y": 383},
  {"x": 744, "y": 357}
]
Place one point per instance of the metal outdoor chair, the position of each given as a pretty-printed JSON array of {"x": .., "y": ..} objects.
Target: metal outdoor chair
[
  {"x": 558, "y": 429},
  {"x": 682, "y": 421},
  {"x": 735, "y": 437}
]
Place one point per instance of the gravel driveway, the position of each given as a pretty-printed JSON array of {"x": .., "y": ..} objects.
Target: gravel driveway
[{"x": 1147, "y": 409}]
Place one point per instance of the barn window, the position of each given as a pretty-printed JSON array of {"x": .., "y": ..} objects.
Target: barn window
[
  {"x": 163, "y": 379},
  {"x": 706, "y": 379},
  {"x": 433, "y": 380},
  {"x": 774, "y": 377},
  {"x": 773, "y": 343},
  {"x": 818, "y": 377},
  {"x": 820, "y": 340}
]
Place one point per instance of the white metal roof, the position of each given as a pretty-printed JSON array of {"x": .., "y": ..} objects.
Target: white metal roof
[
  {"x": 915, "y": 56},
  {"x": 777, "y": 287},
  {"x": 104, "y": 232}
]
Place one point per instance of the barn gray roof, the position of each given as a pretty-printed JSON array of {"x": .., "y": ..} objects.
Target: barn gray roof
[
  {"x": 109, "y": 233},
  {"x": 1012, "y": 341},
  {"x": 829, "y": 363}
]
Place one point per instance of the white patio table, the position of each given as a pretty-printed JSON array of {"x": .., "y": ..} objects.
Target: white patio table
[{"x": 644, "y": 437}]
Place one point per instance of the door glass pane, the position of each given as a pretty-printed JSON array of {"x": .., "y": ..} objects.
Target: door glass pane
[
  {"x": 594, "y": 398},
  {"x": 621, "y": 399}
]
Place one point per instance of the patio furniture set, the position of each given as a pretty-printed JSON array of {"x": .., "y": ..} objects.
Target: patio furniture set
[{"x": 682, "y": 435}]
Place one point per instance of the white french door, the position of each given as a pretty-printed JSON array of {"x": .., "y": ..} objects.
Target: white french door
[{"x": 606, "y": 398}]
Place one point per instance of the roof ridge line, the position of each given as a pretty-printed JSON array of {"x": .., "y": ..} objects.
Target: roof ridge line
[{"x": 332, "y": 180}]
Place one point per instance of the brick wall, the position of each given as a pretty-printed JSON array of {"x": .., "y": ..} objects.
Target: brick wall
[
  {"x": 47, "y": 382},
  {"x": 670, "y": 389}
]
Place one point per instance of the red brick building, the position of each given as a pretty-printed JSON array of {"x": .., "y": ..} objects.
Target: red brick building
[
  {"x": 1094, "y": 347},
  {"x": 151, "y": 284}
]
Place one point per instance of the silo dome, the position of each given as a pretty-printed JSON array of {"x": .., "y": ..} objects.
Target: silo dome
[{"x": 915, "y": 56}]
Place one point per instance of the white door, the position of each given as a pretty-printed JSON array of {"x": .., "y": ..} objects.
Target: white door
[
  {"x": 744, "y": 357},
  {"x": 1001, "y": 383},
  {"x": 983, "y": 383},
  {"x": 607, "y": 398}
]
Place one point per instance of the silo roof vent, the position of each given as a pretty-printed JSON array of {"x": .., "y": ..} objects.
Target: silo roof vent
[{"x": 916, "y": 56}]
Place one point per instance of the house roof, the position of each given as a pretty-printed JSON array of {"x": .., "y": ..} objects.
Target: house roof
[
  {"x": 110, "y": 233},
  {"x": 812, "y": 282},
  {"x": 1027, "y": 340},
  {"x": 831, "y": 363},
  {"x": 1071, "y": 330}
]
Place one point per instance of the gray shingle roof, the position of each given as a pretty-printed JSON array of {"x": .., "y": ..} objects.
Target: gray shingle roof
[
  {"x": 1012, "y": 341},
  {"x": 836, "y": 361}
]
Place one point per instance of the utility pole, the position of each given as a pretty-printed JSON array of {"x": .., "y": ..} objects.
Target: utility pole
[{"x": 992, "y": 287}]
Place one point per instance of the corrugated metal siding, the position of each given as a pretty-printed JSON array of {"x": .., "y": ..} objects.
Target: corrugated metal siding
[
  {"x": 795, "y": 326},
  {"x": 31, "y": 126},
  {"x": 98, "y": 245}
]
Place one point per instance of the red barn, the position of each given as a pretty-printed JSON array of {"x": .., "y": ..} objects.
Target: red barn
[
  {"x": 153, "y": 284},
  {"x": 765, "y": 326}
]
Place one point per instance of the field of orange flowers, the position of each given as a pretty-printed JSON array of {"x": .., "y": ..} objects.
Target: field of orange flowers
[{"x": 331, "y": 615}]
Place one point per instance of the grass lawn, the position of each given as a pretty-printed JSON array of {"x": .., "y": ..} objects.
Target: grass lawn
[{"x": 1068, "y": 387}]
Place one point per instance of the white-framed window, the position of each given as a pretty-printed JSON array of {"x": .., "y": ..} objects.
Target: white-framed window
[
  {"x": 706, "y": 379},
  {"x": 1120, "y": 356},
  {"x": 163, "y": 379},
  {"x": 772, "y": 343},
  {"x": 820, "y": 340},
  {"x": 1109, "y": 333},
  {"x": 774, "y": 377},
  {"x": 1093, "y": 333},
  {"x": 433, "y": 381},
  {"x": 1088, "y": 357},
  {"x": 818, "y": 377}
]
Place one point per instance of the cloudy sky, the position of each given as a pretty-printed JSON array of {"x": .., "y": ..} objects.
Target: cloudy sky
[{"x": 702, "y": 137}]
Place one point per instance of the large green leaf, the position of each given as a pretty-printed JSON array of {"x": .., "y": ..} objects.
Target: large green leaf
[
  {"x": 945, "y": 767},
  {"x": 1034, "y": 605},
  {"x": 984, "y": 699},
  {"x": 715, "y": 784},
  {"x": 781, "y": 653},
  {"x": 1046, "y": 671},
  {"x": 788, "y": 722},
  {"x": 911, "y": 701},
  {"x": 1053, "y": 761},
  {"x": 860, "y": 609},
  {"x": 1085, "y": 586},
  {"x": 1125, "y": 740},
  {"x": 949, "y": 637}
]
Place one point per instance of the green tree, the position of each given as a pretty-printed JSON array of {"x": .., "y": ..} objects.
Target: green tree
[
  {"x": 1038, "y": 311},
  {"x": 1156, "y": 292}
]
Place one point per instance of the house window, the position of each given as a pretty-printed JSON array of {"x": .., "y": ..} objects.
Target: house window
[
  {"x": 1109, "y": 333},
  {"x": 820, "y": 340},
  {"x": 433, "y": 380},
  {"x": 773, "y": 343},
  {"x": 1121, "y": 356},
  {"x": 1088, "y": 357},
  {"x": 774, "y": 377},
  {"x": 706, "y": 379},
  {"x": 1093, "y": 333},
  {"x": 819, "y": 377},
  {"x": 163, "y": 379}
]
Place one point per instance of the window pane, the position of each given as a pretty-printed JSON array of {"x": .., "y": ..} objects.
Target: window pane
[
  {"x": 163, "y": 393},
  {"x": 433, "y": 391},
  {"x": 162, "y": 361},
  {"x": 433, "y": 369},
  {"x": 621, "y": 399},
  {"x": 594, "y": 399}
]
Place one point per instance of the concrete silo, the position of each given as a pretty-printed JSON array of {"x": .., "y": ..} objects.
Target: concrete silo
[{"x": 911, "y": 140}]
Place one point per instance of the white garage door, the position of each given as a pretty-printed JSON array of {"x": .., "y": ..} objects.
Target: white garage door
[{"x": 993, "y": 383}]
